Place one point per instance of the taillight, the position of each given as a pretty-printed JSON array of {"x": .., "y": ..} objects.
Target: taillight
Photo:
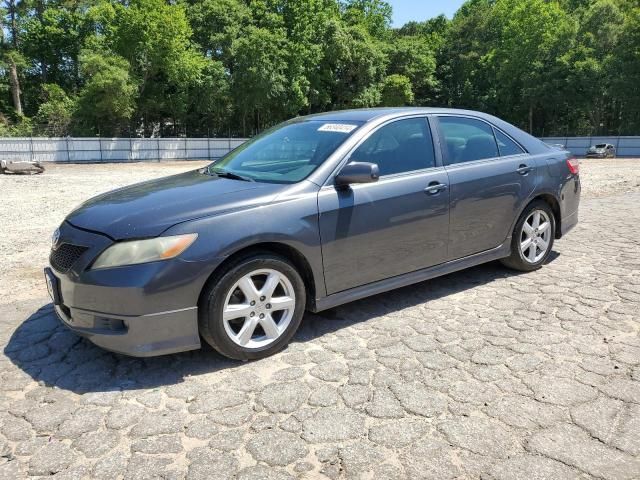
[{"x": 574, "y": 165}]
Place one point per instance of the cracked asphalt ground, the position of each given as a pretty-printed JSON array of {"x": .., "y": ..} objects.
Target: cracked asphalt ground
[{"x": 480, "y": 374}]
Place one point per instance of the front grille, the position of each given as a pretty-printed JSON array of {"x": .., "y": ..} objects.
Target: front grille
[{"x": 63, "y": 258}]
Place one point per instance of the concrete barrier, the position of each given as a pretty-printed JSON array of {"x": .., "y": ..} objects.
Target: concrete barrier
[
  {"x": 625, "y": 146},
  {"x": 94, "y": 150}
]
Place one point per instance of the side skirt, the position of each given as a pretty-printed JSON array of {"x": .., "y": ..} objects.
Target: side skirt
[{"x": 400, "y": 281}]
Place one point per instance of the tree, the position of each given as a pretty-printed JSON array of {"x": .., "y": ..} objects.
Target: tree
[
  {"x": 107, "y": 100},
  {"x": 239, "y": 66},
  {"x": 351, "y": 70},
  {"x": 434, "y": 28},
  {"x": 464, "y": 74},
  {"x": 14, "y": 61},
  {"x": 216, "y": 23},
  {"x": 154, "y": 37},
  {"x": 53, "y": 38},
  {"x": 591, "y": 71},
  {"x": 529, "y": 61},
  {"x": 397, "y": 91},
  {"x": 9, "y": 46},
  {"x": 625, "y": 66},
  {"x": 55, "y": 112},
  {"x": 262, "y": 88},
  {"x": 373, "y": 15},
  {"x": 413, "y": 58},
  {"x": 210, "y": 106}
]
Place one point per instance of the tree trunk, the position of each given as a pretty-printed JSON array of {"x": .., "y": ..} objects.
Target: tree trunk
[
  {"x": 531, "y": 119},
  {"x": 15, "y": 86},
  {"x": 244, "y": 124},
  {"x": 13, "y": 22}
]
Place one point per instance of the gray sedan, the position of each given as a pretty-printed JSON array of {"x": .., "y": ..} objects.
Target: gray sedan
[
  {"x": 314, "y": 213},
  {"x": 601, "y": 150}
]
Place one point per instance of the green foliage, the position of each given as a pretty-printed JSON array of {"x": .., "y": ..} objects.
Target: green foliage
[
  {"x": 107, "y": 100},
  {"x": 373, "y": 15},
  {"x": 396, "y": 91},
  {"x": 352, "y": 67},
  {"x": 55, "y": 112},
  {"x": 625, "y": 71},
  {"x": 22, "y": 128},
  {"x": 413, "y": 57},
  {"x": 551, "y": 67},
  {"x": 534, "y": 38},
  {"x": 261, "y": 84},
  {"x": 216, "y": 23},
  {"x": 153, "y": 67}
]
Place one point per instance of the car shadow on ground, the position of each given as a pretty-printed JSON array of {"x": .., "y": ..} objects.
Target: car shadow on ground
[{"x": 51, "y": 354}]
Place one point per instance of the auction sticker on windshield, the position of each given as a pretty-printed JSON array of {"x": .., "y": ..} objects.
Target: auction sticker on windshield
[{"x": 337, "y": 127}]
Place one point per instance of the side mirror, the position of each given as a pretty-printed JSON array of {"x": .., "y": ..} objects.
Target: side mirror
[{"x": 358, "y": 172}]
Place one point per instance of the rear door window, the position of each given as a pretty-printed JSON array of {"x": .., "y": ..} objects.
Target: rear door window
[{"x": 467, "y": 139}]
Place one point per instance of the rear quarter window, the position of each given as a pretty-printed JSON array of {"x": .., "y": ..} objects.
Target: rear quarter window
[{"x": 507, "y": 146}]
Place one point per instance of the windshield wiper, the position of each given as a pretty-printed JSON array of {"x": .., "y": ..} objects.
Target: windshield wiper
[{"x": 231, "y": 175}]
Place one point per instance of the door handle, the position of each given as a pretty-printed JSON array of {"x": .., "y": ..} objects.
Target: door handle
[
  {"x": 434, "y": 188},
  {"x": 524, "y": 169}
]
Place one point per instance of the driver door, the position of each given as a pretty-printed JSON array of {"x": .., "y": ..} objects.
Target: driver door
[{"x": 397, "y": 225}]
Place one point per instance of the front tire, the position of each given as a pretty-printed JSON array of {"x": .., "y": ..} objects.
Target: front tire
[
  {"x": 253, "y": 308},
  {"x": 532, "y": 238}
]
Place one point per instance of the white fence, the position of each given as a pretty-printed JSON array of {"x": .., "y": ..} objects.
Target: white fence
[
  {"x": 90, "y": 150},
  {"x": 625, "y": 146}
]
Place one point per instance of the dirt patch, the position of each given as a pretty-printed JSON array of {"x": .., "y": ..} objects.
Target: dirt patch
[{"x": 610, "y": 176}]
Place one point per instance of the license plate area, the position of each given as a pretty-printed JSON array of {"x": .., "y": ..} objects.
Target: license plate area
[{"x": 53, "y": 286}]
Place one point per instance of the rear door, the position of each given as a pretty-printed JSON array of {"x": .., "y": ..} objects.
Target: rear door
[
  {"x": 400, "y": 224},
  {"x": 491, "y": 176}
]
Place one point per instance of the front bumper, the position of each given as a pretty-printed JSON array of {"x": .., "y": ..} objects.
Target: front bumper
[
  {"x": 139, "y": 336},
  {"x": 596, "y": 155},
  {"x": 139, "y": 310}
]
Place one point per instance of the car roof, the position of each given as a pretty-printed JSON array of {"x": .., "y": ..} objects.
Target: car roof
[
  {"x": 366, "y": 115},
  {"x": 369, "y": 114}
]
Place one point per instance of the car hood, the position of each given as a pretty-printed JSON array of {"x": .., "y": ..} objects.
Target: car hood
[{"x": 147, "y": 209}]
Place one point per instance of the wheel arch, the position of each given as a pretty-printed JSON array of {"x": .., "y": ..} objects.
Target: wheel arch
[
  {"x": 553, "y": 203},
  {"x": 290, "y": 253}
]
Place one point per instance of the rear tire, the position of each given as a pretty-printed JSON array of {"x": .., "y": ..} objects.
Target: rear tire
[
  {"x": 252, "y": 309},
  {"x": 532, "y": 239}
]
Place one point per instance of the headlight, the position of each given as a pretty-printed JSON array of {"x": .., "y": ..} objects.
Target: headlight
[{"x": 143, "y": 251}]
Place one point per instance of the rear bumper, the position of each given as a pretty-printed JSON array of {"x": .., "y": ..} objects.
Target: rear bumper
[
  {"x": 139, "y": 336},
  {"x": 569, "y": 197},
  {"x": 569, "y": 223}
]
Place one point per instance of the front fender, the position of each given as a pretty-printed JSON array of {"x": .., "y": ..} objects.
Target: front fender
[{"x": 291, "y": 220}]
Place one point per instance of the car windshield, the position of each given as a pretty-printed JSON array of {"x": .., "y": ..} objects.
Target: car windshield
[
  {"x": 602, "y": 145},
  {"x": 287, "y": 153}
]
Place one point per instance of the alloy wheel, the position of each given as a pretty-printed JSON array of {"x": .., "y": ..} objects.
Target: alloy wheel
[
  {"x": 259, "y": 308},
  {"x": 535, "y": 237}
]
